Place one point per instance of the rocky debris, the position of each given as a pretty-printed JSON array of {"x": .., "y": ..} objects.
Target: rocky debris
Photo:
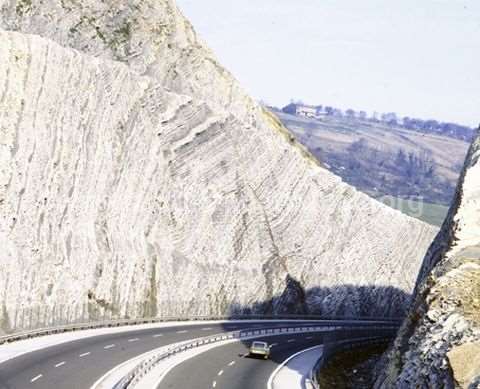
[
  {"x": 442, "y": 329},
  {"x": 353, "y": 368},
  {"x": 135, "y": 169}
]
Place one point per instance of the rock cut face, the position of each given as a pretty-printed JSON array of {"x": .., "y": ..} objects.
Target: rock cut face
[
  {"x": 135, "y": 172},
  {"x": 439, "y": 344}
]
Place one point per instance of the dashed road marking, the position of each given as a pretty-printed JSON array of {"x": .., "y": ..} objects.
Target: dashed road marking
[
  {"x": 36, "y": 378},
  {"x": 157, "y": 335},
  {"x": 274, "y": 344},
  {"x": 206, "y": 328},
  {"x": 182, "y": 332},
  {"x": 84, "y": 354},
  {"x": 214, "y": 384},
  {"x": 309, "y": 337},
  {"x": 291, "y": 340},
  {"x": 220, "y": 372},
  {"x": 231, "y": 363},
  {"x": 60, "y": 364},
  {"x": 109, "y": 346},
  {"x": 133, "y": 340}
]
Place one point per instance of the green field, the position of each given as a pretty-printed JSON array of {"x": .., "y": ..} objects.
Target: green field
[{"x": 430, "y": 213}]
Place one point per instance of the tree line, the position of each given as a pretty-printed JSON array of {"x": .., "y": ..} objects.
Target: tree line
[{"x": 430, "y": 126}]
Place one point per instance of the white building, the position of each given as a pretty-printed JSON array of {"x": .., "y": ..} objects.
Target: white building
[{"x": 307, "y": 111}]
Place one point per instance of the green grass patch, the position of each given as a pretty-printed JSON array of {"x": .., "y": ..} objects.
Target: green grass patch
[{"x": 433, "y": 214}]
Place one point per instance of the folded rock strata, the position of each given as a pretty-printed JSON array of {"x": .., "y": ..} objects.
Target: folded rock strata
[{"x": 135, "y": 171}]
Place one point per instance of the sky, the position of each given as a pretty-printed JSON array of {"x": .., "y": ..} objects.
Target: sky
[{"x": 419, "y": 58}]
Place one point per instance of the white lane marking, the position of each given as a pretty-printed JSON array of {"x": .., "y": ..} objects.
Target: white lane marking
[
  {"x": 157, "y": 335},
  {"x": 60, "y": 364},
  {"x": 133, "y": 340},
  {"x": 220, "y": 372},
  {"x": 231, "y": 363},
  {"x": 290, "y": 340},
  {"x": 36, "y": 378},
  {"x": 109, "y": 346},
  {"x": 284, "y": 363},
  {"x": 274, "y": 344},
  {"x": 84, "y": 354},
  {"x": 214, "y": 383},
  {"x": 206, "y": 329},
  {"x": 182, "y": 332},
  {"x": 309, "y": 337}
]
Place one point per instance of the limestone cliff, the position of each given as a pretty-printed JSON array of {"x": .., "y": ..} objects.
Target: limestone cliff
[
  {"x": 439, "y": 345},
  {"x": 134, "y": 169}
]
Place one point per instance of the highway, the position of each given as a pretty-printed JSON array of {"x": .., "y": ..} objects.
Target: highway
[
  {"x": 78, "y": 364},
  {"x": 229, "y": 367}
]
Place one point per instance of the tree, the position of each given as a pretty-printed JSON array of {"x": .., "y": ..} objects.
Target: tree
[
  {"x": 329, "y": 110},
  {"x": 350, "y": 113},
  {"x": 390, "y": 118},
  {"x": 290, "y": 108},
  {"x": 337, "y": 112},
  {"x": 358, "y": 146},
  {"x": 401, "y": 159}
]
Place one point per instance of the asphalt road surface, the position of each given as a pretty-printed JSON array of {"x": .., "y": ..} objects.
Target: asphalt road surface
[
  {"x": 80, "y": 363},
  {"x": 230, "y": 367}
]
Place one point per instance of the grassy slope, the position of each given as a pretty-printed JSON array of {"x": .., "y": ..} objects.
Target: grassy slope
[
  {"x": 431, "y": 213},
  {"x": 329, "y": 140},
  {"x": 336, "y": 134}
]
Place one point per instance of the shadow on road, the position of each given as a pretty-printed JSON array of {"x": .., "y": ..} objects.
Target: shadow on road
[{"x": 344, "y": 302}]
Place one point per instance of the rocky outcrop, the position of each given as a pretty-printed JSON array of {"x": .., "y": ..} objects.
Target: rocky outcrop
[
  {"x": 137, "y": 176},
  {"x": 465, "y": 363},
  {"x": 438, "y": 345}
]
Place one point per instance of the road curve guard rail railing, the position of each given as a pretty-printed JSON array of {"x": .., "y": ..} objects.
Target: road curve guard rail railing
[
  {"x": 21, "y": 335},
  {"x": 131, "y": 380},
  {"x": 349, "y": 338}
]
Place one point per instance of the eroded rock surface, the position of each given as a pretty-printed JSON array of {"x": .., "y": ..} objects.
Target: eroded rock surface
[
  {"x": 438, "y": 345},
  {"x": 135, "y": 170},
  {"x": 465, "y": 363}
]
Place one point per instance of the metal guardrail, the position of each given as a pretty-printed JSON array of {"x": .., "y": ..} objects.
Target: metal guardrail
[
  {"x": 131, "y": 380},
  {"x": 42, "y": 331},
  {"x": 35, "y": 317},
  {"x": 381, "y": 323}
]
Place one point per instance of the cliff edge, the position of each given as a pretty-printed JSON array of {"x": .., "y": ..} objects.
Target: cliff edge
[{"x": 439, "y": 344}]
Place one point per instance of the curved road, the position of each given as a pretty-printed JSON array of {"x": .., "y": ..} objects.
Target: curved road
[
  {"x": 78, "y": 364},
  {"x": 228, "y": 367}
]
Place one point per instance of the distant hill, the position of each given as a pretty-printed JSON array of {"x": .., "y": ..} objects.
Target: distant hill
[
  {"x": 385, "y": 159},
  {"x": 430, "y": 126}
]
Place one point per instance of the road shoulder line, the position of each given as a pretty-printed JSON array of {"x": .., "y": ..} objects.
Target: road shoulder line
[{"x": 293, "y": 373}]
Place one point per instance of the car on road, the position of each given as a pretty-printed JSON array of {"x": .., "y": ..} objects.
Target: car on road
[{"x": 259, "y": 349}]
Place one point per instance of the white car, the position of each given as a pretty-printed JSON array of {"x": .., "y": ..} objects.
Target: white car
[{"x": 261, "y": 349}]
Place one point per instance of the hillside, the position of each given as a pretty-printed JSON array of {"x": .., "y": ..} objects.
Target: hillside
[
  {"x": 384, "y": 160},
  {"x": 138, "y": 177}
]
